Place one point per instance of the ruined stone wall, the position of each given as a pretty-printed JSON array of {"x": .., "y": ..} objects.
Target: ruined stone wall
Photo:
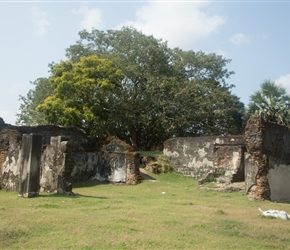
[
  {"x": 229, "y": 158},
  {"x": 67, "y": 156},
  {"x": 268, "y": 160},
  {"x": 53, "y": 163},
  {"x": 10, "y": 144},
  {"x": 205, "y": 158},
  {"x": 133, "y": 164},
  {"x": 114, "y": 163}
]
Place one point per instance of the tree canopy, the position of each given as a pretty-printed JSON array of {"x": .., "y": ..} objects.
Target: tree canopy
[
  {"x": 271, "y": 102},
  {"x": 151, "y": 92},
  {"x": 81, "y": 93},
  {"x": 28, "y": 113}
]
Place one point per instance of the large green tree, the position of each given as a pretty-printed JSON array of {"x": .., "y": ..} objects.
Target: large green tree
[
  {"x": 165, "y": 92},
  {"x": 82, "y": 93},
  {"x": 28, "y": 114},
  {"x": 161, "y": 92},
  {"x": 271, "y": 102}
]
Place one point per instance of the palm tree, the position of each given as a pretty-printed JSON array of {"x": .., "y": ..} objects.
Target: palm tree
[{"x": 271, "y": 102}]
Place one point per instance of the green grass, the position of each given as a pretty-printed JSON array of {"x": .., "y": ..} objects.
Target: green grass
[
  {"x": 105, "y": 216},
  {"x": 150, "y": 153}
]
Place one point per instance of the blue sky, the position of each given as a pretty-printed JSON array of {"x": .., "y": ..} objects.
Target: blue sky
[{"x": 255, "y": 35}]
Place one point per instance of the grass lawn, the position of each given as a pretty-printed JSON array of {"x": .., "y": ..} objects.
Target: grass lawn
[{"x": 169, "y": 212}]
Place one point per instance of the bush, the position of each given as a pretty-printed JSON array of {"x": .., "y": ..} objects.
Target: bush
[{"x": 159, "y": 165}]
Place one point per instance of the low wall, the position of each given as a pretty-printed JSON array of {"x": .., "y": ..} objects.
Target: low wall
[{"x": 205, "y": 158}]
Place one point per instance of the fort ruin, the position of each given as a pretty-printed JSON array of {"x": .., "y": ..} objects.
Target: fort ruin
[{"x": 260, "y": 158}]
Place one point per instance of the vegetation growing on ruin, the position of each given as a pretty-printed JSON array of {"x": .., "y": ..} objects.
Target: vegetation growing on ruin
[
  {"x": 155, "y": 161},
  {"x": 166, "y": 212}
]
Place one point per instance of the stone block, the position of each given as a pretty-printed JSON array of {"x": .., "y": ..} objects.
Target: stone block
[{"x": 30, "y": 158}]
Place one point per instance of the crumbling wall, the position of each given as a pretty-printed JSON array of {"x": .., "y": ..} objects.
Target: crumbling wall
[
  {"x": 67, "y": 156},
  {"x": 10, "y": 144},
  {"x": 206, "y": 158},
  {"x": 229, "y": 159},
  {"x": 268, "y": 163},
  {"x": 133, "y": 164},
  {"x": 121, "y": 163},
  {"x": 55, "y": 166}
]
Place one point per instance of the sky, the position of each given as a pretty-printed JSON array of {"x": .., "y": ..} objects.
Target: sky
[{"x": 254, "y": 35}]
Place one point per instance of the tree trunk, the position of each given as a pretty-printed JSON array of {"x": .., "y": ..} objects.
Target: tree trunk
[{"x": 133, "y": 138}]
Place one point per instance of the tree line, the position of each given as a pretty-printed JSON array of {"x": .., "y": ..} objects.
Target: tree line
[{"x": 133, "y": 86}]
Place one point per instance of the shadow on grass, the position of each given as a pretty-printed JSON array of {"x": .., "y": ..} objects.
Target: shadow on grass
[
  {"x": 89, "y": 183},
  {"x": 145, "y": 174},
  {"x": 83, "y": 184},
  {"x": 71, "y": 196}
]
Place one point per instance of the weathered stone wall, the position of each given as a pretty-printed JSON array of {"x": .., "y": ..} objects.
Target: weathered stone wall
[
  {"x": 205, "y": 158},
  {"x": 10, "y": 145},
  {"x": 114, "y": 163},
  {"x": 268, "y": 163},
  {"x": 53, "y": 163},
  {"x": 133, "y": 164},
  {"x": 67, "y": 156},
  {"x": 229, "y": 158}
]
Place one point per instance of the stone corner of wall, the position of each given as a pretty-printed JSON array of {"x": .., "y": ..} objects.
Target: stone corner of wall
[{"x": 114, "y": 144}]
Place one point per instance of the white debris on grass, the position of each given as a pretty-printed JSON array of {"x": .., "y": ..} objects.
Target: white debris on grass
[
  {"x": 275, "y": 213},
  {"x": 163, "y": 193}
]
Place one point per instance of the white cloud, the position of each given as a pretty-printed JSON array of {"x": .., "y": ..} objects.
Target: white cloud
[
  {"x": 40, "y": 20},
  {"x": 92, "y": 17},
  {"x": 181, "y": 24},
  {"x": 284, "y": 81},
  {"x": 239, "y": 39},
  {"x": 223, "y": 53}
]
